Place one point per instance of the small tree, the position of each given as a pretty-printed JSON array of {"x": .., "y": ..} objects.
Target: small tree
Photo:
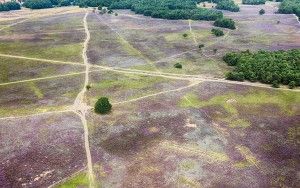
[
  {"x": 116, "y": 14},
  {"x": 103, "y": 106},
  {"x": 99, "y": 7},
  {"x": 215, "y": 50},
  {"x": 178, "y": 66},
  {"x": 185, "y": 35},
  {"x": 262, "y": 11},
  {"x": 88, "y": 87}
]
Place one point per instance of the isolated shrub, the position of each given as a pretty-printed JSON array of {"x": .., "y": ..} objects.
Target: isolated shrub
[
  {"x": 275, "y": 84},
  {"x": 178, "y": 66},
  {"x": 217, "y": 32},
  {"x": 185, "y": 35},
  {"x": 225, "y": 22},
  {"x": 201, "y": 46},
  {"x": 88, "y": 87},
  {"x": 99, "y": 7},
  {"x": 262, "y": 11},
  {"x": 215, "y": 50},
  {"x": 103, "y": 106}
]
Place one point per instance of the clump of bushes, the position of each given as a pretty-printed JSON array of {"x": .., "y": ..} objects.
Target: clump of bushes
[
  {"x": 225, "y": 22},
  {"x": 290, "y": 7},
  {"x": 217, "y": 32},
  {"x": 228, "y": 5},
  {"x": 38, "y": 4},
  {"x": 278, "y": 67},
  {"x": 12, "y": 5},
  {"x": 254, "y": 2},
  {"x": 103, "y": 106}
]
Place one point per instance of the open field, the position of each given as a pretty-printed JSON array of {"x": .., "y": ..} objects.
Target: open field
[{"x": 168, "y": 128}]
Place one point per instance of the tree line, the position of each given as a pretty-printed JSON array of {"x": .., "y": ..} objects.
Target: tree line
[
  {"x": 41, "y": 4},
  {"x": 253, "y": 2},
  {"x": 7, "y": 6},
  {"x": 278, "y": 67},
  {"x": 290, "y": 7}
]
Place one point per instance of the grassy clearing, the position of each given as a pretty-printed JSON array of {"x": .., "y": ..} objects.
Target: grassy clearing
[
  {"x": 199, "y": 34},
  {"x": 231, "y": 101},
  {"x": 63, "y": 52},
  {"x": 12, "y": 69},
  {"x": 283, "y": 99},
  {"x": 130, "y": 82}
]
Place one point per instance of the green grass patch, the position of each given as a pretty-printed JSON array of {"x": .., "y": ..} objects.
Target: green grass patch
[
  {"x": 79, "y": 180},
  {"x": 33, "y": 87},
  {"x": 63, "y": 52}
]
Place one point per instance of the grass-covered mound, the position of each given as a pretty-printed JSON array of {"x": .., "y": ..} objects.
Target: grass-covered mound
[
  {"x": 290, "y": 7},
  {"x": 278, "y": 67}
]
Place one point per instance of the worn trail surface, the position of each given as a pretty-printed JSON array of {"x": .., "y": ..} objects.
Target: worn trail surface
[{"x": 80, "y": 106}]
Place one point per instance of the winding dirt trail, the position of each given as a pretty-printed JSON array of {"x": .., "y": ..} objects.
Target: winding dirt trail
[
  {"x": 192, "y": 33},
  {"x": 80, "y": 106}
]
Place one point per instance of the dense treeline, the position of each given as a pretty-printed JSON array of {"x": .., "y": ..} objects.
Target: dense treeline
[
  {"x": 279, "y": 67},
  {"x": 166, "y": 9},
  {"x": 290, "y": 7},
  {"x": 41, "y": 4},
  {"x": 254, "y": 2},
  {"x": 225, "y": 22},
  {"x": 228, "y": 5},
  {"x": 12, "y": 5}
]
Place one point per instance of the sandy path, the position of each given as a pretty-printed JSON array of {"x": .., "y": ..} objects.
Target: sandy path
[
  {"x": 192, "y": 33},
  {"x": 80, "y": 106}
]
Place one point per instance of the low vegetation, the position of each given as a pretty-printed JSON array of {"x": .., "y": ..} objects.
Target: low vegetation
[
  {"x": 12, "y": 5},
  {"x": 178, "y": 66},
  {"x": 254, "y": 2},
  {"x": 103, "y": 106},
  {"x": 228, "y": 5},
  {"x": 262, "y": 11},
  {"x": 225, "y": 22},
  {"x": 217, "y": 32},
  {"x": 279, "y": 67},
  {"x": 290, "y": 7}
]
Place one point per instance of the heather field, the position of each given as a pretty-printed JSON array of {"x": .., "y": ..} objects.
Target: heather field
[{"x": 168, "y": 127}]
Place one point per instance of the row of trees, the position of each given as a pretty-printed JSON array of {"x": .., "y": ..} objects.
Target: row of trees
[
  {"x": 228, "y": 5},
  {"x": 254, "y": 2},
  {"x": 278, "y": 67},
  {"x": 290, "y": 7},
  {"x": 225, "y": 22},
  {"x": 166, "y": 9},
  {"x": 41, "y": 4},
  {"x": 12, "y": 5}
]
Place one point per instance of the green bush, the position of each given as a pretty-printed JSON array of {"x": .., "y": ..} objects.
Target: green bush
[
  {"x": 262, "y": 11},
  {"x": 64, "y": 3},
  {"x": 292, "y": 84},
  {"x": 103, "y": 106},
  {"x": 217, "y": 32},
  {"x": 225, "y": 22},
  {"x": 178, "y": 66},
  {"x": 185, "y": 35}
]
